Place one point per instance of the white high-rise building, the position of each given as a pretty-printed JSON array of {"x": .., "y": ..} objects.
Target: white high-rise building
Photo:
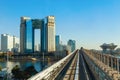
[
  {"x": 9, "y": 43},
  {"x": 37, "y": 47},
  {"x": 6, "y": 42},
  {"x": 16, "y": 46},
  {"x": 50, "y": 33}
]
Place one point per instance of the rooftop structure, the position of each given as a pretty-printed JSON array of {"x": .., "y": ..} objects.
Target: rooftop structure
[{"x": 110, "y": 46}]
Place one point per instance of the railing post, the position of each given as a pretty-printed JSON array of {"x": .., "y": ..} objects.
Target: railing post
[
  {"x": 100, "y": 57},
  {"x": 108, "y": 60},
  {"x": 111, "y": 62},
  {"x": 115, "y": 63},
  {"x": 104, "y": 58}
]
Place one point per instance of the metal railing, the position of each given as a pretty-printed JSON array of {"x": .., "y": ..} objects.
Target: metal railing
[{"x": 105, "y": 64}]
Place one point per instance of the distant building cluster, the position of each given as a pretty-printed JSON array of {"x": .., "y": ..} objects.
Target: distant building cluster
[
  {"x": 50, "y": 42},
  {"x": 9, "y": 43},
  {"x": 70, "y": 47}
]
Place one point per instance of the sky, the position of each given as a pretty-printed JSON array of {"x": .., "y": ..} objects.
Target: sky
[{"x": 89, "y": 22}]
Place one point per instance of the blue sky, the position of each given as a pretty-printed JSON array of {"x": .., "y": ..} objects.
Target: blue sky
[{"x": 89, "y": 22}]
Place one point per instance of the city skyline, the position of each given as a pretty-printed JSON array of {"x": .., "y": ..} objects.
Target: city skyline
[{"x": 90, "y": 23}]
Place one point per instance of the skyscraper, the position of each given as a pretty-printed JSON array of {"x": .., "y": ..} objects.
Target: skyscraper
[
  {"x": 72, "y": 44},
  {"x": 27, "y": 28},
  {"x": 26, "y": 35},
  {"x": 57, "y": 42},
  {"x": 50, "y": 33}
]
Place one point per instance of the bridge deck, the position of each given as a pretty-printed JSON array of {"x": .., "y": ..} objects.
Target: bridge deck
[{"x": 80, "y": 65}]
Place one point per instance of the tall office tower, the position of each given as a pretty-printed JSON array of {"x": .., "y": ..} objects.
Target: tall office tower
[
  {"x": 57, "y": 42},
  {"x": 50, "y": 34},
  {"x": 27, "y": 28},
  {"x": 6, "y": 42},
  {"x": 72, "y": 44},
  {"x": 26, "y": 35}
]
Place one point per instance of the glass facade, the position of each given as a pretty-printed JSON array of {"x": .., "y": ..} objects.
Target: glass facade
[
  {"x": 72, "y": 44},
  {"x": 43, "y": 37},
  {"x": 27, "y": 28},
  {"x": 29, "y": 37},
  {"x": 57, "y": 40}
]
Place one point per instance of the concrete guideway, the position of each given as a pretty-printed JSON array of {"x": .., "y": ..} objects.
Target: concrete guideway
[
  {"x": 72, "y": 67},
  {"x": 53, "y": 71},
  {"x": 73, "y": 70},
  {"x": 84, "y": 69}
]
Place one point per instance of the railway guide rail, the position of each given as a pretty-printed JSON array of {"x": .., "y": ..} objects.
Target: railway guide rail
[{"x": 53, "y": 71}]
